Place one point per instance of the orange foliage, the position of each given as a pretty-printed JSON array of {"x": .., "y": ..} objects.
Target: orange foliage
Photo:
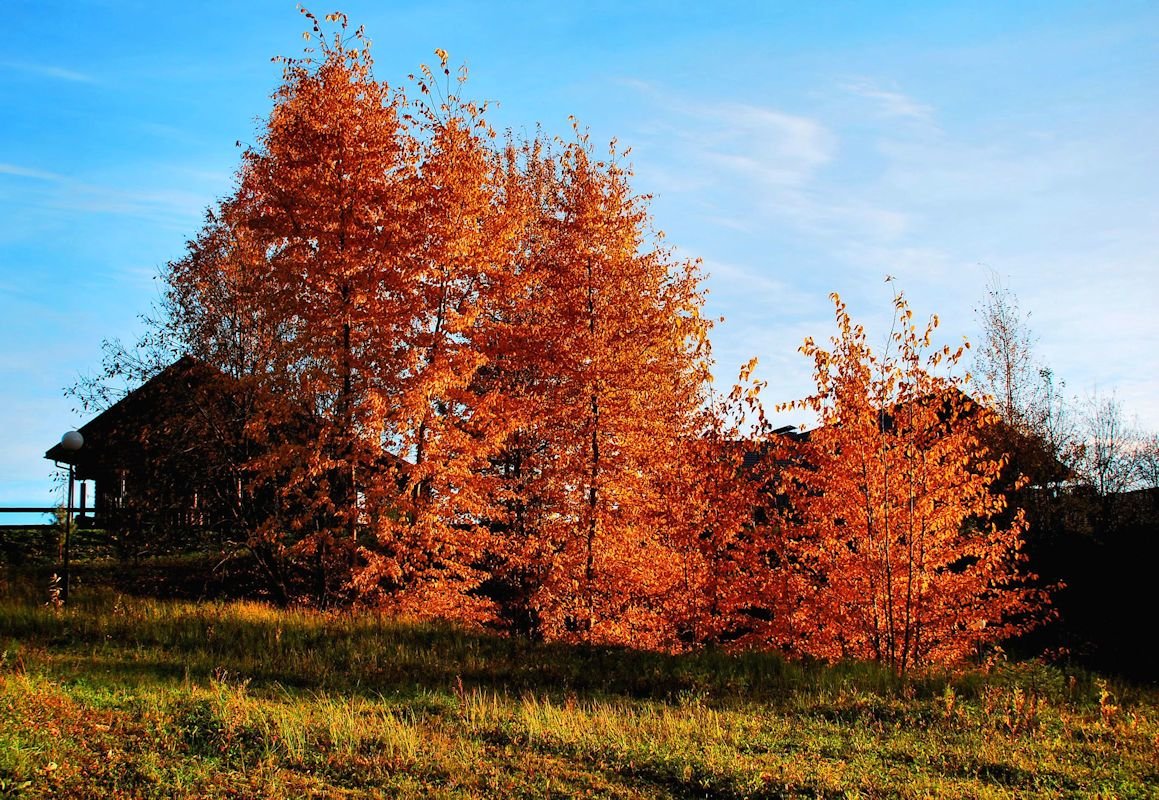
[
  {"x": 615, "y": 357},
  {"x": 476, "y": 388},
  {"x": 499, "y": 372},
  {"x": 891, "y": 549}
]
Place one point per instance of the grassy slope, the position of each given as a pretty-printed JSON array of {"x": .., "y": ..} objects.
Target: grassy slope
[{"x": 143, "y": 698}]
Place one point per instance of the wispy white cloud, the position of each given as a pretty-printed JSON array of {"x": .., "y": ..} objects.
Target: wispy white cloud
[
  {"x": 910, "y": 263},
  {"x": 28, "y": 172},
  {"x": 755, "y": 141},
  {"x": 53, "y": 197},
  {"x": 765, "y": 143},
  {"x": 53, "y": 71},
  {"x": 750, "y": 164},
  {"x": 871, "y": 180},
  {"x": 891, "y": 103},
  {"x": 823, "y": 214},
  {"x": 732, "y": 223},
  {"x": 639, "y": 85},
  {"x": 161, "y": 205},
  {"x": 755, "y": 282}
]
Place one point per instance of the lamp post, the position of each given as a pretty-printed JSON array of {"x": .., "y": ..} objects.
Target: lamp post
[{"x": 70, "y": 443}]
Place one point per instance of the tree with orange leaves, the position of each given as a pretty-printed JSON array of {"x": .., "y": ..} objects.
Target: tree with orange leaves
[
  {"x": 729, "y": 492},
  {"x": 431, "y": 555},
  {"x": 890, "y": 550},
  {"x": 332, "y": 184},
  {"x": 599, "y": 358},
  {"x": 309, "y": 284},
  {"x": 496, "y": 364}
]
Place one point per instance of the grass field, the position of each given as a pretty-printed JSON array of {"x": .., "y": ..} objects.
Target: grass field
[{"x": 127, "y": 697}]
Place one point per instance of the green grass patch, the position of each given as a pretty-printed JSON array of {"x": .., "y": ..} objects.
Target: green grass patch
[{"x": 119, "y": 696}]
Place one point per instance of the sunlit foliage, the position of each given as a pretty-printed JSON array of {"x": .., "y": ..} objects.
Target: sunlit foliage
[{"x": 893, "y": 548}]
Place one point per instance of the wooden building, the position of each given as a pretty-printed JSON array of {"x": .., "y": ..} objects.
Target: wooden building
[{"x": 163, "y": 456}]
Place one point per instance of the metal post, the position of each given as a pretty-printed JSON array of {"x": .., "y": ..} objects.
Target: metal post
[
  {"x": 67, "y": 534},
  {"x": 70, "y": 443}
]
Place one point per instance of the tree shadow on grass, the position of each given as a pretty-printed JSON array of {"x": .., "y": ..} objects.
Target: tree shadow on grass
[{"x": 372, "y": 654}]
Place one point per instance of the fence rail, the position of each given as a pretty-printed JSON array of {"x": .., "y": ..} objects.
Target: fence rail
[{"x": 21, "y": 526}]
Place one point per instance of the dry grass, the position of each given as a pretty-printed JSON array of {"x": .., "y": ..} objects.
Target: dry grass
[{"x": 121, "y": 697}]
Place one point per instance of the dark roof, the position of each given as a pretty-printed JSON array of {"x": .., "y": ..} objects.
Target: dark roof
[
  {"x": 147, "y": 401},
  {"x": 187, "y": 388},
  {"x": 754, "y": 451}
]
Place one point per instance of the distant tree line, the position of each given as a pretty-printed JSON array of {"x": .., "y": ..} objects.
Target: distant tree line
[{"x": 1088, "y": 481}]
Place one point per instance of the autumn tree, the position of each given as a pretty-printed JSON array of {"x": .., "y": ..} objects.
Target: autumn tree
[
  {"x": 732, "y": 515},
  {"x": 492, "y": 367},
  {"x": 471, "y": 380},
  {"x": 890, "y": 547},
  {"x": 334, "y": 176},
  {"x": 598, "y": 354},
  {"x": 298, "y": 289},
  {"x": 315, "y": 245},
  {"x": 610, "y": 371},
  {"x": 471, "y": 204}
]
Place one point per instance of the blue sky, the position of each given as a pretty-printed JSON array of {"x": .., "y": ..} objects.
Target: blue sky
[{"x": 797, "y": 148}]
